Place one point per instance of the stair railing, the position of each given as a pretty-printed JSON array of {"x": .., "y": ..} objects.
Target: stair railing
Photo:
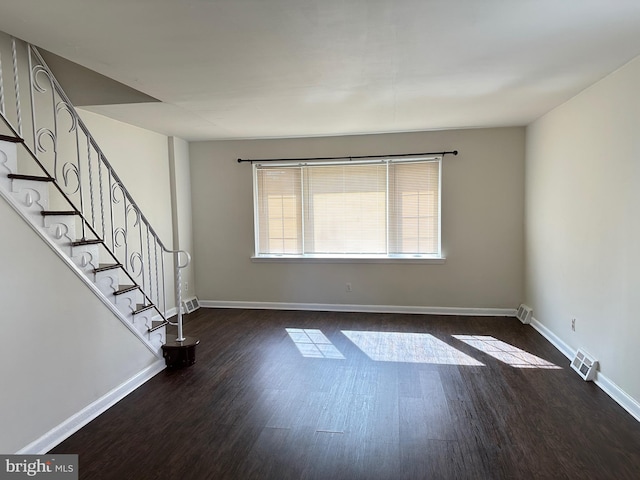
[{"x": 61, "y": 147}]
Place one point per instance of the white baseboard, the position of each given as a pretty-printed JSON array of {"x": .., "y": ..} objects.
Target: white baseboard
[
  {"x": 614, "y": 391},
  {"x": 556, "y": 341},
  {"x": 620, "y": 396},
  {"x": 74, "y": 423},
  {"x": 327, "y": 307}
]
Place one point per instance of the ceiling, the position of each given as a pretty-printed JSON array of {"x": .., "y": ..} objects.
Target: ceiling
[{"x": 286, "y": 68}]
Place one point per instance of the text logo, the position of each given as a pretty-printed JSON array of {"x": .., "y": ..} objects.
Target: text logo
[{"x": 50, "y": 467}]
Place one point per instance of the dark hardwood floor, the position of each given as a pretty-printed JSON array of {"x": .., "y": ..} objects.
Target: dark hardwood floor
[{"x": 390, "y": 397}]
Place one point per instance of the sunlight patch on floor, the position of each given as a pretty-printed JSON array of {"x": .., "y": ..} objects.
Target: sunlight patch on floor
[
  {"x": 312, "y": 343},
  {"x": 408, "y": 347},
  {"x": 505, "y": 352}
]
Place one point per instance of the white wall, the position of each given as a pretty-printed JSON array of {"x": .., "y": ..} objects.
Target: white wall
[
  {"x": 62, "y": 347},
  {"x": 583, "y": 223},
  {"x": 482, "y": 225}
]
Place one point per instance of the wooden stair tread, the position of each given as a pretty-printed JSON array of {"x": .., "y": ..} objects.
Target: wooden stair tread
[
  {"x": 160, "y": 325},
  {"x": 125, "y": 289},
  {"x": 36, "y": 178},
  {"x": 46, "y": 213},
  {"x": 93, "y": 241},
  {"x": 106, "y": 266},
  {"x": 10, "y": 138},
  {"x": 142, "y": 308}
]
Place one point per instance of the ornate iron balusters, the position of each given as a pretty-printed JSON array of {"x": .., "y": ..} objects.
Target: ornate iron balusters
[{"x": 108, "y": 213}]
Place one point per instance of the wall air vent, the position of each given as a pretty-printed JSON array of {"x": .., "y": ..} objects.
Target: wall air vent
[
  {"x": 524, "y": 314},
  {"x": 191, "y": 305},
  {"x": 585, "y": 365}
]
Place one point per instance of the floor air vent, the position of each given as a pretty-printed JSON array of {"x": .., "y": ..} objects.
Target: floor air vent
[
  {"x": 191, "y": 305},
  {"x": 524, "y": 314},
  {"x": 585, "y": 365}
]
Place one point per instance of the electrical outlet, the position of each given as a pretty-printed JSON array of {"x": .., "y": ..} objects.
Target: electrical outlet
[
  {"x": 186, "y": 286},
  {"x": 348, "y": 287},
  {"x": 573, "y": 324}
]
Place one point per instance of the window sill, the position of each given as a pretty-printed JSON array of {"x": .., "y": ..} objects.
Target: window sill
[{"x": 405, "y": 259}]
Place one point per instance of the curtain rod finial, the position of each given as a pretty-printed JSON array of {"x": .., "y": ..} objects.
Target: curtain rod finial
[{"x": 455, "y": 152}]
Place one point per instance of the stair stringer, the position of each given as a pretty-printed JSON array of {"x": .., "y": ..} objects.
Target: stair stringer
[
  {"x": 86, "y": 258},
  {"x": 107, "y": 281},
  {"x": 61, "y": 230},
  {"x": 8, "y": 164}
]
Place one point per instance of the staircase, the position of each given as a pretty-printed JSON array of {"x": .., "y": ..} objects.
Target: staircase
[{"x": 57, "y": 178}]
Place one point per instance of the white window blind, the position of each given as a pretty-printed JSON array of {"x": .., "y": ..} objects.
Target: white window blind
[{"x": 381, "y": 208}]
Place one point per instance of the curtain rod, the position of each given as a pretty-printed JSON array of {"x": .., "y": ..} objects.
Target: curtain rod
[{"x": 240, "y": 160}]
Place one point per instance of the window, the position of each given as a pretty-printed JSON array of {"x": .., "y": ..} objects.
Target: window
[{"x": 361, "y": 209}]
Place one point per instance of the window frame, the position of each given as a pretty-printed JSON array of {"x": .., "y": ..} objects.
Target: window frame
[{"x": 433, "y": 258}]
